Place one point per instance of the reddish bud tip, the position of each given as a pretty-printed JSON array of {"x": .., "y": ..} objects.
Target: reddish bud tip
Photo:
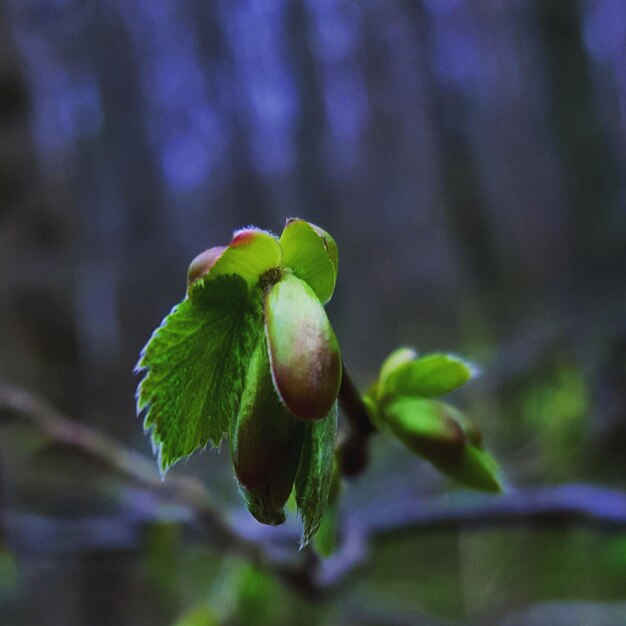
[
  {"x": 203, "y": 263},
  {"x": 243, "y": 237}
]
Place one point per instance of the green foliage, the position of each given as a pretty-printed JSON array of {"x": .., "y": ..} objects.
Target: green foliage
[
  {"x": 393, "y": 362},
  {"x": 477, "y": 470},
  {"x": 325, "y": 541},
  {"x": 250, "y": 254},
  {"x": 251, "y": 354},
  {"x": 315, "y": 474},
  {"x": 401, "y": 401},
  {"x": 195, "y": 364},
  {"x": 208, "y": 372},
  {"x": 431, "y": 375},
  {"x": 313, "y": 256}
]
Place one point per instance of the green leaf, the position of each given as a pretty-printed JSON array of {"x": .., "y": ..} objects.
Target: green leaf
[
  {"x": 250, "y": 254},
  {"x": 312, "y": 254},
  {"x": 428, "y": 428},
  {"x": 393, "y": 361},
  {"x": 315, "y": 473},
  {"x": 195, "y": 365},
  {"x": 304, "y": 353},
  {"x": 326, "y": 538},
  {"x": 431, "y": 375},
  {"x": 329, "y": 242},
  {"x": 476, "y": 470}
]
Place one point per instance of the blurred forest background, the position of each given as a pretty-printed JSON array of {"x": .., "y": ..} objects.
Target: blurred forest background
[{"x": 470, "y": 160}]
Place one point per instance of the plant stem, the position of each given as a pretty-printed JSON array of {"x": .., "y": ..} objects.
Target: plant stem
[
  {"x": 352, "y": 448},
  {"x": 563, "y": 504},
  {"x": 351, "y": 403},
  {"x": 184, "y": 490}
]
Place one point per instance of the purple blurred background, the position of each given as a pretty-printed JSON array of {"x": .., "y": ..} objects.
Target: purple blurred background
[{"x": 468, "y": 157}]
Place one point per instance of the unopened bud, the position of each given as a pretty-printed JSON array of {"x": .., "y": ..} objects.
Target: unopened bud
[
  {"x": 266, "y": 502},
  {"x": 203, "y": 263},
  {"x": 265, "y": 443},
  {"x": 428, "y": 428},
  {"x": 304, "y": 353}
]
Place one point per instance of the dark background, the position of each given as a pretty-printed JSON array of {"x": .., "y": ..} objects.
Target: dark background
[{"x": 468, "y": 157}]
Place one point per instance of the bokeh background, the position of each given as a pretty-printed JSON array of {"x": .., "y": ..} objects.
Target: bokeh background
[{"x": 470, "y": 160}]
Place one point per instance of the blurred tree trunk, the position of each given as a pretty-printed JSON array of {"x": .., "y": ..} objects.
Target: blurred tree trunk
[
  {"x": 13, "y": 181},
  {"x": 15, "y": 153},
  {"x": 117, "y": 197},
  {"x": 243, "y": 195},
  {"x": 316, "y": 196},
  {"x": 35, "y": 319},
  {"x": 589, "y": 174},
  {"x": 466, "y": 213},
  {"x": 609, "y": 425}
]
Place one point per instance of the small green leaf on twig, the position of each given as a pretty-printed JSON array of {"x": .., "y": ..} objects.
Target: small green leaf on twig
[
  {"x": 477, "y": 470},
  {"x": 427, "y": 376},
  {"x": 312, "y": 254}
]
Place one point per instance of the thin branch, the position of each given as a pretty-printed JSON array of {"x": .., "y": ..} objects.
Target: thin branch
[
  {"x": 353, "y": 445},
  {"x": 351, "y": 403},
  {"x": 560, "y": 505},
  {"x": 140, "y": 470}
]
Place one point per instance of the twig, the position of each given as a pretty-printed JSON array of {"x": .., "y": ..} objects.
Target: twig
[
  {"x": 354, "y": 408},
  {"x": 140, "y": 470},
  {"x": 353, "y": 446},
  {"x": 562, "y": 505}
]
